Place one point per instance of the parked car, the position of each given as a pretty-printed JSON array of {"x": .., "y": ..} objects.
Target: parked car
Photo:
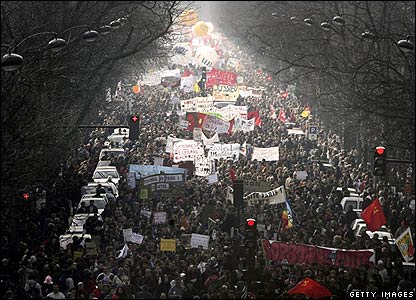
[
  {"x": 355, "y": 202},
  {"x": 116, "y": 152},
  {"x": 355, "y": 223},
  {"x": 80, "y": 219},
  {"x": 110, "y": 188},
  {"x": 102, "y": 174},
  {"x": 100, "y": 202},
  {"x": 382, "y": 234}
]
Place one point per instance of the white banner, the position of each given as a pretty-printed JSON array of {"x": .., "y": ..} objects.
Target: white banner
[
  {"x": 213, "y": 178},
  {"x": 295, "y": 131},
  {"x": 210, "y": 141},
  {"x": 127, "y": 233},
  {"x": 203, "y": 166},
  {"x": 160, "y": 217},
  {"x": 146, "y": 213},
  {"x": 171, "y": 73},
  {"x": 214, "y": 124},
  {"x": 136, "y": 238},
  {"x": 268, "y": 154},
  {"x": 244, "y": 125},
  {"x": 197, "y": 134},
  {"x": 225, "y": 151},
  {"x": 170, "y": 141},
  {"x": 272, "y": 197},
  {"x": 187, "y": 84},
  {"x": 301, "y": 175},
  {"x": 186, "y": 150},
  {"x": 230, "y": 111},
  {"x": 199, "y": 240},
  {"x": 198, "y": 104}
]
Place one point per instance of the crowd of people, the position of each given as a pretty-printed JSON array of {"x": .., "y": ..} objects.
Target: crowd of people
[{"x": 35, "y": 266}]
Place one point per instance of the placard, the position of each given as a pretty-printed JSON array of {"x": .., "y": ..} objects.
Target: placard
[
  {"x": 213, "y": 178},
  {"x": 268, "y": 154},
  {"x": 159, "y": 217},
  {"x": 136, "y": 238},
  {"x": 225, "y": 151},
  {"x": 203, "y": 166},
  {"x": 199, "y": 240},
  {"x": 275, "y": 196},
  {"x": 146, "y": 213},
  {"x": 127, "y": 233},
  {"x": 168, "y": 245},
  {"x": 186, "y": 150}
]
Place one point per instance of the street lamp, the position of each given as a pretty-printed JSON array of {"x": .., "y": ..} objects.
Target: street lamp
[
  {"x": 90, "y": 36},
  {"x": 11, "y": 61},
  {"x": 338, "y": 20},
  {"x": 57, "y": 44},
  {"x": 115, "y": 24},
  {"x": 308, "y": 21},
  {"x": 104, "y": 30},
  {"x": 326, "y": 26}
]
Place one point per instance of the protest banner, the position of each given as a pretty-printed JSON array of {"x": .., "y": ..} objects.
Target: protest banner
[
  {"x": 275, "y": 196},
  {"x": 146, "y": 213},
  {"x": 231, "y": 111},
  {"x": 127, "y": 233},
  {"x": 215, "y": 77},
  {"x": 215, "y": 124},
  {"x": 268, "y": 154},
  {"x": 225, "y": 93},
  {"x": 296, "y": 131},
  {"x": 197, "y": 134},
  {"x": 309, "y": 254},
  {"x": 187, "y": 83},
  {"x": 159, "y": 217},
  {"x": 203, "y": 166},
  {"x": 225, "y": 151},
  {"x": 244, "y": 125},
  {"x": 405, "y": 244},
  {"x": 257, "y": 186},
  {"x": 168, "y": 245},
  {"x": 147, "y": 170},
  {"x": 199, "y": 240},
  {"x": 186, "y": 150},
  {"x": 136, "y": 238},
  {"x": 213, "y": 178},
  {"x": 131, "y": 180},
  {"x": 208, "y": 142}
]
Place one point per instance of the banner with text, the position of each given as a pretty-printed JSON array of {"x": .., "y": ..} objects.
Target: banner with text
[
  {"x": 309, "y": 254},
  {"x": 186, "y": 150},
  {"x": 225, "y": 151},
  {"x": 275, "y": 196},
  {"x": 268, "y": 154}
]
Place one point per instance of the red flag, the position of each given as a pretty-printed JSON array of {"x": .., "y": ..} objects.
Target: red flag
[
  {"x": 195, "y": 119},
  {"x": 254, "y": 114},
  {"x": 373, "y": 216},
  {"x": 232, "y": 175},
  {"x": 282, "y": 115},
  {"x": 230, "y": 128},
  {"x": 310, "y": 288}
]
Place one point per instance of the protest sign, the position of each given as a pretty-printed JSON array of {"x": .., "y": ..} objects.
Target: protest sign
[
  {"x": 136, "y": 238},
  {"x": 405, "y": 244},
  {"x": 268, "y": 154},
  {"x": 131, "y": 180},
  {"x": 225, "y": 92},
  {"x": 146, "y": 213},
  {"x": 127, "y": 233},
  {"x": 225, "y": 151},
  {"x": 168, "y": 245},
  {"x": 275, "y": 196},
  {"x": 159, "y": 217},
  {"x": 199, "y": 240},
  {"x": 186, "y": 150},
  {"x": 215, "y": 124},
  {"x": 309, "y": 254},
  {"x": 213, "y": 178},
  {"x": 203, "y": 166},
  {"x": 301, "y": 175}
]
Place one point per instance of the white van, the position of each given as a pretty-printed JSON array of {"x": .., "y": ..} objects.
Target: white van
[
  {"x": 101, "y": 174},
  {"x": 355, "y": 202},
  {"x": 116, "y": 152}
]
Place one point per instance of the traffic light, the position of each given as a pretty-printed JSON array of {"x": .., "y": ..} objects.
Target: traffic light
[
  {"x": 134, "y": 127},
  {"x": 250, "y": 242},
  {"x": 203, "y": 81},
  {"x": 379, "y": 163},
  {"x": 238, "y": 192}
]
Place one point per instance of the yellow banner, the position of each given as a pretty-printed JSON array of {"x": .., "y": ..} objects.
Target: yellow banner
[
  {"x": 168, "y": 245},
  {"x": 225, "y": 92}
]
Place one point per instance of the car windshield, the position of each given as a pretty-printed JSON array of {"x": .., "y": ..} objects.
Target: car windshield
[
  {"x": 98, "y": 203},
  {"x": 93, "y": 189},
  {"x": 351, "y": 203},
  {"x": 105, "y": 174}
]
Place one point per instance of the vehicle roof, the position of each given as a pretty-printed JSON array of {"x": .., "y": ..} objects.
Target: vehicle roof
[
  {"x": 351, "y": 198},
  {"x": 93, "y": 197}
]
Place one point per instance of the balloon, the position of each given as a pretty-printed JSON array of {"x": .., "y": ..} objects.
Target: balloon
[
  {"x": 206, "y": 56},
  {"x": 210, "y": 27},
  {"x": 182, "y": 54},
  {"x": 201, "y": 28},
  {"x": 188, "y": 18}
]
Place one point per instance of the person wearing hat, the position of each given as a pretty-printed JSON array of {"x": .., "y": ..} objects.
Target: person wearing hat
[{"x": 47, "y": 285}]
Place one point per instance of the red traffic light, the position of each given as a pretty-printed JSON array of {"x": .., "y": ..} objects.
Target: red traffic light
[
  {"x": 26, "y": 196},
  {"x": 251, "y": 222},
  {"x": 380, "y": 150},
  {"x": 134, "y": 118}
]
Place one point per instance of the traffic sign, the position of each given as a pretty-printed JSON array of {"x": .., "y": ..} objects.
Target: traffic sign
[{"x": 313, "y": 132}]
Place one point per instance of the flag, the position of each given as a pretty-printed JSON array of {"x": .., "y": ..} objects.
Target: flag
[
  {"x": 230, "y": 128},
  {"x": 310, "y": 288},
  {"x": 123, "y": 252},
  {"x": 306, "y": 112},
  {"x": 373, "y": 216},
  {"x": 254, "y": 114},
  {"x": 282, "y": 115},
  {"x": 287, "y": 217},
  {"x": 195, "y": 120},
  {"x": 232, "y": 175},
  {"x": 405, "y": 244}
]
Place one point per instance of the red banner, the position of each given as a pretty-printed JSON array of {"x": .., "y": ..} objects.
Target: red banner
[
  {"x": 301, "y": 253},
  {"x": 215, "y": 77}
]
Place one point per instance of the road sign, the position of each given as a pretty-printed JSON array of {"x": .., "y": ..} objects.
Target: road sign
[{"x": 313, "y": 133}]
